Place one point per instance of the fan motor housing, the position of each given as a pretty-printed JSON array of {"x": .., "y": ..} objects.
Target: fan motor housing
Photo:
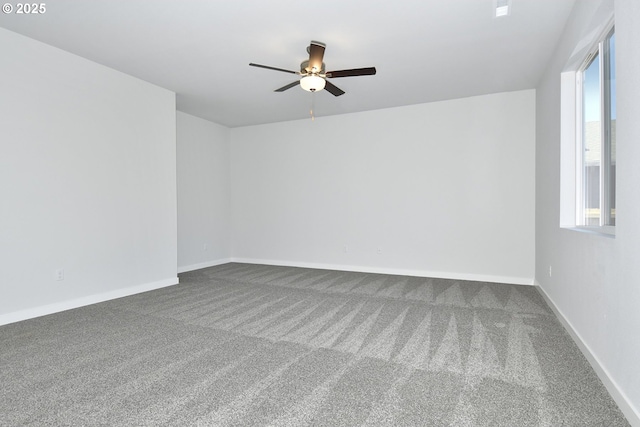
[{"x": 304, "y": 68}]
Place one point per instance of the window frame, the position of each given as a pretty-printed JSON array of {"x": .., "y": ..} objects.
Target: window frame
[{"x": 601, "y": 49}]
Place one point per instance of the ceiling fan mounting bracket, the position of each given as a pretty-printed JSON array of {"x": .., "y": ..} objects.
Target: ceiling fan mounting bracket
[{"x": 322, "y": 45}]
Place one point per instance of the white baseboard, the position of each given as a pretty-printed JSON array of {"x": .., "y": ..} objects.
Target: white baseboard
[
  {"x": 44, "y": 310},
  {"x": 621, "y": 399},
  {"x": 185, "y": 268},
  {"x": 392, "y": 271}
]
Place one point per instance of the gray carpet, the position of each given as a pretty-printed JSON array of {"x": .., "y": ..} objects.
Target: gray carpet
[{"x": 251, "y": 345}]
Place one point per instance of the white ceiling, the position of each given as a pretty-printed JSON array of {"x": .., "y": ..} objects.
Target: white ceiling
[{"x": 424, "y": 50}]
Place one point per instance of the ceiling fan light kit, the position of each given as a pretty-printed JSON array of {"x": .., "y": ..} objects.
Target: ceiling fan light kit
[
  {"x": 314, "y": 78},
  {"x": 312, "y": 83}
]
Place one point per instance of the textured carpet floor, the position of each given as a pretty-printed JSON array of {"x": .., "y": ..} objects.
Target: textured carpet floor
[{"x": 252, "y": 345}]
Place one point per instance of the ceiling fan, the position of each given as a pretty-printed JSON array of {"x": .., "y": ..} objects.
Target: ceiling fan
[{"x": 314, "y": 76}]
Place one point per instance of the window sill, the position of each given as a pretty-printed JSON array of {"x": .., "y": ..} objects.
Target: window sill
[{"x": 605, "y": 231}]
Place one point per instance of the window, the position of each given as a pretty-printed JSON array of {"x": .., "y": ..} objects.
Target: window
[{"x": 596, "y": 137}]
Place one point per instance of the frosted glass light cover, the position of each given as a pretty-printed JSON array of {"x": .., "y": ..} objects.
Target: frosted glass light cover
[{"x": 312, "y": 83}]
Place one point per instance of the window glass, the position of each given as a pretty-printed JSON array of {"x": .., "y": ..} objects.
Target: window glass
[{"x": 592, "y": 142}]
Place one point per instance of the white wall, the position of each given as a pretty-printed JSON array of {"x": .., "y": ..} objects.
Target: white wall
[
  {"x": 595, "y": 280},
  {"x": 445, "y": 189},
  {"x": 203, "y": 193},
  {"x": 87, "y": 178}
]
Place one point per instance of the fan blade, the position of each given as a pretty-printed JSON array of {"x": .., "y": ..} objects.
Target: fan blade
[
  {"x": 316, "y": 53},
  {"x": 289, "y": 86},
  {"x": 369, "y": 71},
  {"x": 273, "y": 68},
  {"x": 333, "y": 89}
]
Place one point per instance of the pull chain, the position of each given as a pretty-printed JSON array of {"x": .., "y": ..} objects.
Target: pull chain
[{"x": 313, "y": 102}]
